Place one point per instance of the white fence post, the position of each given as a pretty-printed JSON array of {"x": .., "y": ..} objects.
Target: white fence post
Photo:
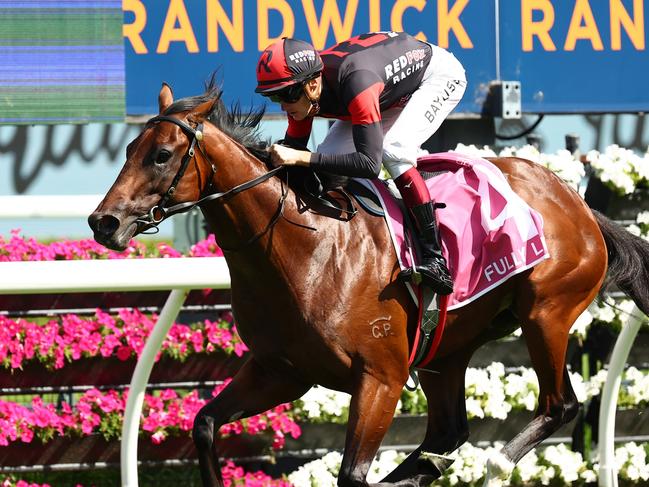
[
  {"x": 608, "y": 407},
  {"x": 48, "y": 206},
  {"x": 131, "y": 425}
]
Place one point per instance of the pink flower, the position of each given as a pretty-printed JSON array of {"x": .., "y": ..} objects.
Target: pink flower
[
  {"x": 158, "y": 437},
  {"x": 26, "y": 435},
  {"x": 197, "y": 340},
  {"x": 168, "y": 394},
  {"x": 21, "y": 248},
  {"x": 124, "y": 352},
  {"x": 240, "y": 349},
  {"x": 111, "y": 342}
]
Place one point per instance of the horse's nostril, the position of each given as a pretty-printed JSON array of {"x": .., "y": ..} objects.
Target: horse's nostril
[{"x": 103, "y": 224}]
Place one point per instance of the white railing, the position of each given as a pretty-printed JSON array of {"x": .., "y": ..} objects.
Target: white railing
[
  {"x": 177, "y": 275},
  {"x": 48, "y": 206},
  {"x": 608, "y": 407}
]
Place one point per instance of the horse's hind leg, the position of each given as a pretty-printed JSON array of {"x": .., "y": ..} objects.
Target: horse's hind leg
[
  {"x": 253, "y": 390},
  {"x": 546, "y": 329}
]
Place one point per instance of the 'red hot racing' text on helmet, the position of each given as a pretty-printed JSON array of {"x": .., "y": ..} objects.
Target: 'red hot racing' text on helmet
[{"x": 286, "y": 63}]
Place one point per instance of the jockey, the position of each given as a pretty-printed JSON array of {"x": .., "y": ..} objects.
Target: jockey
[{"x": 389, "y": 93}]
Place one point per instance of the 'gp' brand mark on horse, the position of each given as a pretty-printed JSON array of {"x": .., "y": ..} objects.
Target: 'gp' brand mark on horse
[{"x": 381, "y": 327}]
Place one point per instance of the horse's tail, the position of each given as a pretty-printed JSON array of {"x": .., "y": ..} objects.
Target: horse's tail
[{"x": 628, "y": 261}]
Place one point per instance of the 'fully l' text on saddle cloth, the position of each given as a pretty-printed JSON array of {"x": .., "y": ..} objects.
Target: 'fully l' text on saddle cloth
[{"x": 489, "y": 233}]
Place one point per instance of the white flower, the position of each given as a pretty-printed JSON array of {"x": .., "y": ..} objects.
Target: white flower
[
  {"x": 515, "y": 385},
  {"x": 595, "y": 384},
  {"x": 472, "y": 150},
  {"x": 332, "y": 461},
  {"x": 528, "y": 467},
  {"x": 602, "y": 313},
  {"x": 568, "y": 463},
  {"x": 470, "y": 465},
  {"x": 588, "y": 475},
  {"x": 578, "y": 386},
  {"x": 556, "y": 465},
  {"x": 618, "y": 167},
  {"x": 580, "y": 326},
  {"x": 496, "y": 407},
  {"x": 300, "y": 477},
  {"x": 625, "y": 307},
  {"x": 529, "y": 152},
  {"x": 634, "y": 229},
  {"x": 318, "y": 473},
  {"x": 323, "y": 403},
  {"x": 496, "y": 370},
  {"x": 546, "y": 474},
  {"x": 474, "y": 408},
  {"x": 631, "y": 461},
  {"x": 642, "y": 167},
  {"x": 643, "y": 217},
  {"x": 476, "y": 381},
  {"x": 385, "y": 463},
  {"x": 637, "y": 386},
  {"x": 564, "y": 165}
]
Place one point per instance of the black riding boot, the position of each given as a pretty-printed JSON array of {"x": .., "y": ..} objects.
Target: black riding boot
[{"x": 433, "y": 268}]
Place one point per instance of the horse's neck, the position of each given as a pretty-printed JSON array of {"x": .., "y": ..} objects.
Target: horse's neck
[
  {"x": 235, "y": 164},
  {"x": 248, "y": 213}
]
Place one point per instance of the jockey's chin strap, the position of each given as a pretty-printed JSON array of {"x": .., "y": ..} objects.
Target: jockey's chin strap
[{"x": 160, "y": 212}]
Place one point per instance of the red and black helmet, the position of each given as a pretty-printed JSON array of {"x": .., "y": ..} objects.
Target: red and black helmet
[{"x": 285, "y": 63}]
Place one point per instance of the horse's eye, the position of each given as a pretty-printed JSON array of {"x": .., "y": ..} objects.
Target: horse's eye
[{"x": 163, "y": 156}]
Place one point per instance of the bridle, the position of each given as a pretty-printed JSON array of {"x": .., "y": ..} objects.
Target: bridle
[{"x": 160, "y": 212}]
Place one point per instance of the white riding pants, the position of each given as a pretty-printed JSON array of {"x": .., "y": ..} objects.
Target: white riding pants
[{"x": 406, "y": 128}]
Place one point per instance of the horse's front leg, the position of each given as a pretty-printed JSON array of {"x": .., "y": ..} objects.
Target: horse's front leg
[
  {"x": 371, "y": 411},
  {"x": 253, "y": 390}
]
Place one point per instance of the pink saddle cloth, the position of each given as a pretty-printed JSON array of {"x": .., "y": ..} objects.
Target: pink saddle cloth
[{"x": 489, "y": 233}]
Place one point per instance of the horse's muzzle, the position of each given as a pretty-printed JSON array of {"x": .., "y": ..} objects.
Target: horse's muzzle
[{"x": 105, "y": 227}]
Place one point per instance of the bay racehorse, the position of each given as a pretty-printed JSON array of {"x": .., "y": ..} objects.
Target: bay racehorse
[{"x": 306, "y": 289}]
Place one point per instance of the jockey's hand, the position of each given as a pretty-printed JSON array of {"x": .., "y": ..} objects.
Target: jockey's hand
[{"x": 281, "y": 155}]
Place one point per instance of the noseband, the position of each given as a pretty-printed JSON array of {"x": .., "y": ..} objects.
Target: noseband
[{"x": 161, "y": 212}]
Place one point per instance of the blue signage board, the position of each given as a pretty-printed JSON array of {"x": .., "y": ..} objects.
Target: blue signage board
[
  {"x": 576, "y": 56},
  {"x": 570, "y": 55}
]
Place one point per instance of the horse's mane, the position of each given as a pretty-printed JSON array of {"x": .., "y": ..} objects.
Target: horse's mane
[{"x": 241, "y": 127}]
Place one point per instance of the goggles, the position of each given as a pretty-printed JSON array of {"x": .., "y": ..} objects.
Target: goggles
[{"x": 290, "y": 94}]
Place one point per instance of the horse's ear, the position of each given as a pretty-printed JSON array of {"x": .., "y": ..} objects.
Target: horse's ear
[
  {"x": 165, "y": 98},
  {"x": 202, "y": 111}
]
